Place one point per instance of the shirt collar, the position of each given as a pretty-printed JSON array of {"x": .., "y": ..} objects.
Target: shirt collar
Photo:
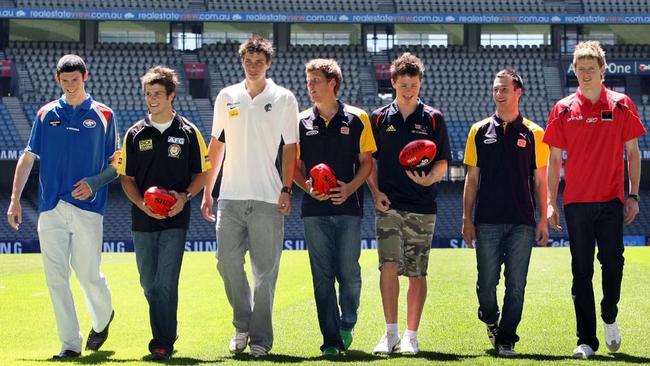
[
  {"x": 340, "y": 112},
  {"x": 395, "y": 109},
  {"x": 86, "y": 104},
  {"x": 582, "y": 100},
  {"x": 498, "y": 121}
]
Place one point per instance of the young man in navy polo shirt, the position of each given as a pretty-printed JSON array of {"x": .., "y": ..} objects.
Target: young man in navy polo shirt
[
  {"x": 340, "y": 136},
  {"x": 595, "y": 126},
  {"x": 405, "y": 199},
  {"x": 164, "y": 149},
  {"x": 504, "y": 154},
  {"x": 74, "y": 137}
]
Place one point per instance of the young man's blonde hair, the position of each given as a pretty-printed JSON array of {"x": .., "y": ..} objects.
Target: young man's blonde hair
[
  {"x": 589, "y": 50},
  {"x": 406, "y": 64},
  {"x": 329, "y": 67}
]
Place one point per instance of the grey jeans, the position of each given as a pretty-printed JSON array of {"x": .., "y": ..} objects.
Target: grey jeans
[{"x": 258, "y": 227}]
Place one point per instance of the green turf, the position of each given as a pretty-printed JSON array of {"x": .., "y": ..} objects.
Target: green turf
[{"x": 450, "y": 332}]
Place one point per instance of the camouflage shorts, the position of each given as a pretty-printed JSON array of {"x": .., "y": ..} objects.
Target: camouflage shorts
[{"x": 405, "y": 238}]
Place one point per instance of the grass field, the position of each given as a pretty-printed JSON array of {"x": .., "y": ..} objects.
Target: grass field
[{"x": 450, "y": 332}]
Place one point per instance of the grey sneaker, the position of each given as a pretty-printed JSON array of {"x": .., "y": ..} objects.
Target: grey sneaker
[
  {"x": 492, "y": 331},
  {"x": 506, "y": 350},
  {"x": 258, "y": 351},
  {"x": 583, "y": 351},
  {"x": 612, "y": 337}
]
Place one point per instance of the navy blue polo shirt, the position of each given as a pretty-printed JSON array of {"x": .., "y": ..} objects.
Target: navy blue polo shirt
[
  {"x": 72, "y": 143},
  {"x": 507, "y": 155},
  {"x": 392, "y": 133},
  {"x": 168, "y": 159},
  {"x": 337, "y": 143}
]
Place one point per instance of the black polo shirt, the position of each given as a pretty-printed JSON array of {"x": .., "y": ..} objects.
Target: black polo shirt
[
  {"x": 168, "y": 160},
  {"x": 338, "y": 144},
  {"x": 392, "y": 133},
  {"x": 507, "y": 155}
]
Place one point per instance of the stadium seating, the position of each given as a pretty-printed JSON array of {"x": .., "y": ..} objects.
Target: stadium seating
[
  {"x": 478, "y": 6},
  {"x": 291, "y": 6},
  {"x": 9, "y": 138},
  {"x": 114, "y": 4},
  {"x": 615, "y": 6}
]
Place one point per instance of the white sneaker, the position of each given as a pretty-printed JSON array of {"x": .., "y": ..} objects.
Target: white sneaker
[
  {"x": 238, "y": 342},
  {"x": 583, "y": 351},
  {"x": 388, "y": 343},
  {"x": 506, "y": 350},
  {"x": 409, "y": 345},
  {"x": 612, "y": 337}
]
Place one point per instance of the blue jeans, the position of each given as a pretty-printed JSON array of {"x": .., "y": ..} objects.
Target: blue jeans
[
  {"x": 334, "y": 246},
  {"x": 511, "y": 245},
  {"x": 159, "y": 256},
  {"x": 600, "y": 222}
]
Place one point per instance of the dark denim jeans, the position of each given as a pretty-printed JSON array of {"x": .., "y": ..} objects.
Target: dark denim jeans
[
  {"x": 600, "y": 222},
  {"x": 334, "y": 246},
  {"x": 511, "y": 245},
  {"x": 159, "y": 256}
]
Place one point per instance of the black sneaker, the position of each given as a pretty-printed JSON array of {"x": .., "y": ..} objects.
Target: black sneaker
[
  {"x": 95, "y": 339},
  {"x": 492, "y": 331},
  {"x": 506, "y": 350},
  {"x": 66, "y": 354},
  {"x": 160, "y": 354}
]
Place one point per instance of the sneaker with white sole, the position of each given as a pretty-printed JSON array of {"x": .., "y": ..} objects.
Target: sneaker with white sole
[
  {"x": 612, "y": 337},
  {"x": 388, "y": 344},
  {"x": 258, "y": 351},
  {"x": 238, "y": 342},
  {"x": 492, "y": 331},
  {"x": 506, "y": 350},
  {"x": 583, "y": 351},
  {"x": 409, "y": 345}
]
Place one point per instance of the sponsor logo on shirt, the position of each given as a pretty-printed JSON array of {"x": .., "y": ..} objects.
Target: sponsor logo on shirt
[
  {"x": 489, "y": 141},
  {"x": 345, "y": 130},
  {"x": 89, "y": 123},
  {"x": 233, "y": 112},
  {"x": 174, "y": 151},
  {"x": 311, "y": 132},
  {"x": 607, "y": 116},
  {"x": 176, "y": 140},
  {"x": 391, "y": 128},
  {"x": 521, "y": 143},
  {"x": 592, "y": 120},
  {"x": 145, "y": 145},
  {"x": 577, "y": 117},
  {"x": 55, "y": 123}
]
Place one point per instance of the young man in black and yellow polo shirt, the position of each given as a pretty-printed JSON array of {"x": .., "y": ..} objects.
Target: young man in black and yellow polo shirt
[
  {"x": 340, "y": 136},
  {"x": 506, "y": 173},
  {"x": 165, "y": 150}
]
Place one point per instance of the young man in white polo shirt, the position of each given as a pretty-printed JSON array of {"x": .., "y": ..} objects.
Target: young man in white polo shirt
[{"x": 250, "y": 121}]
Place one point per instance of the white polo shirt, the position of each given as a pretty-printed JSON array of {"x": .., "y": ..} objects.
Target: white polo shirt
[{"x": 253, "y": 131}]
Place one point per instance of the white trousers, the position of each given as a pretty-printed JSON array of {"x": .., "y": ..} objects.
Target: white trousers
[{"x": 72, "y": 237}]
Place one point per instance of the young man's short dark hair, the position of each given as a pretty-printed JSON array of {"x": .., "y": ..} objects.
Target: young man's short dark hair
[
  {"x": 161, "y": 75},
  {"x": 406, "y": 64},
  {"x": 256, "y": 44},
  {"x": 517, "y": 80},
  {"x": 70, "y": 63}
]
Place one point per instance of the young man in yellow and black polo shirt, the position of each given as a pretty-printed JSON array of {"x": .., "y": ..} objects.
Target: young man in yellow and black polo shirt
[
  {"x": 165, "y": 150},
  {"x": 506, "y": 173},
  {"x": 340, "y": 136}
]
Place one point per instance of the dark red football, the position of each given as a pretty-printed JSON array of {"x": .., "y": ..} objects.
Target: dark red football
[
  {"x": 159, "y": 200},
  {"x": 417, "y": 154},
  {"x": 323, "y": 178}
]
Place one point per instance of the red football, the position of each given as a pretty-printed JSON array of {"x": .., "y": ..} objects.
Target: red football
[
  {"x": 323, "y": 178},
  {"x": 417, "y": 154},
  {"x": 159, "y": 200}
]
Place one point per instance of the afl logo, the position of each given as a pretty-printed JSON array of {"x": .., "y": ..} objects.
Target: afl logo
[{"x": 89, "y": 123}]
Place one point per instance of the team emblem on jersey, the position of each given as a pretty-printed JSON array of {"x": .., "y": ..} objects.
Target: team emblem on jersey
[
  {"x": 174, "y": 151},
  {"x": 176, "y": 140},
  {"x": 521, "y": 143},
  {"x": 345, "y": 130},
  {"x": 268, "y": 107},
  {"x": 607, "y": 116},
  {"x": 145, "y": 145},
  {"x": 55, "y": 123},
  {"x": 391, "y": 128},
  {"x": 89, "y": 123}
]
